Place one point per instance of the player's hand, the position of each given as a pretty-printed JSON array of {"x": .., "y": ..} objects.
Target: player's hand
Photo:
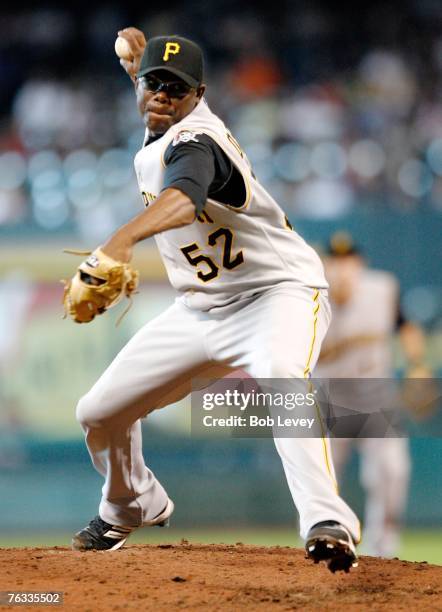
[{"x": 137, "y": 43}]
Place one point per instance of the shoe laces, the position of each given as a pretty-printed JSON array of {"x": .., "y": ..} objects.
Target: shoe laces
[{"x": 97, "y": 524}]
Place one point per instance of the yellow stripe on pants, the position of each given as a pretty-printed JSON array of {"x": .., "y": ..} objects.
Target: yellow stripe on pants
[{"x": 306, "y": 375}]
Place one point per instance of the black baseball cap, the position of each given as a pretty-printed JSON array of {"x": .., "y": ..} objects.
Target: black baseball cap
[
  {"x": 175, "y": 54},
  {"x": 341, "y": 244}
]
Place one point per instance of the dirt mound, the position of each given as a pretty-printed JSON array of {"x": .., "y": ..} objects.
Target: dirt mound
[{"x": 216, "y": 577}]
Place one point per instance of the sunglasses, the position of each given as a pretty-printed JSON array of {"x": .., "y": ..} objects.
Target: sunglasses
[{"x": 174, "y": 89}]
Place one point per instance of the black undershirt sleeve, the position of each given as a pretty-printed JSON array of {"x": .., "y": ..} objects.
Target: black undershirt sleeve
[{"x": 199, "y": 168}]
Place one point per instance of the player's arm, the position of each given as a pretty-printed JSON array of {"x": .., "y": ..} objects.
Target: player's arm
[
  {"x": 420, "y": 390},
  {"x": 414, "y": 347},
  {"x": 193, "y": 170},
  {"x": 137, "y": 44},
  {"x": 172, "y": 209}
]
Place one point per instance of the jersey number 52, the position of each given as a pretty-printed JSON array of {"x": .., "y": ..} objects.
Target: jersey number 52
[{"x": 229, "y": 261}]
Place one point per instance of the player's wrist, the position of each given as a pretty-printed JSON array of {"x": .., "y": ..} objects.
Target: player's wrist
[
  {"x": 131, "y": 70},
  {"x": 119, "y": 247}
]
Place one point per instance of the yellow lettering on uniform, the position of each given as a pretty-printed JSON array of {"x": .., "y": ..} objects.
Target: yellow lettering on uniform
[
  {"x": 172, "y": 48},
  {"x": 148, "y": 198}
]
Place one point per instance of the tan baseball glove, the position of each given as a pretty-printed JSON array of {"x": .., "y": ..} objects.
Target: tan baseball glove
[{"x": 99, "y": 283}]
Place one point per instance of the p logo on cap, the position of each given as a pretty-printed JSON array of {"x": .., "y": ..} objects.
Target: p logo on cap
[{"x": 172, "y": 48}]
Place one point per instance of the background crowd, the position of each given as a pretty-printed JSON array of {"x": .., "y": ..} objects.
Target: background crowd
[{"x": 336, "y": 109}]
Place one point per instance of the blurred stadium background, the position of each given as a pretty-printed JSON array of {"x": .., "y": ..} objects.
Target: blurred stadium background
[{"x": 340, "y": 112}]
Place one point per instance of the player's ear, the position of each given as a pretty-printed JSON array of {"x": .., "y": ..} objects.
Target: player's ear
[{"x": 200, "y": 91}]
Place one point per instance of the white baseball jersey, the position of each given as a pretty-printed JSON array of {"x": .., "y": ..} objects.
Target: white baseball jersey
[
  {"x": 228, "y": 253},
  {"x": 358, "y": 342}
]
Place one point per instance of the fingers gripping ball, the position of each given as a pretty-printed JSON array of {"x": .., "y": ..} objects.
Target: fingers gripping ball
[
  {"x": 123, "y": 50},
  {"x": 99, "y": 283}
]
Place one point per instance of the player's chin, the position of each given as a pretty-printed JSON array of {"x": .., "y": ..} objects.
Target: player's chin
[{"x": 157, "y": 123}]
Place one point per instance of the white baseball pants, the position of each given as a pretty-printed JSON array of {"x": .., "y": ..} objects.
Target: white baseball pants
[{"x": 276, "y": 334}]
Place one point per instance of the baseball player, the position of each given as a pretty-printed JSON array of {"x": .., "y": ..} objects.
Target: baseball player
[
  {"x": 358, "y": 345},
  {"x": 252, "y": 296}
]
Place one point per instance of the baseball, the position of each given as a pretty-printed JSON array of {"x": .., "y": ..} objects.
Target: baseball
[{"x": 123, "y": 50}]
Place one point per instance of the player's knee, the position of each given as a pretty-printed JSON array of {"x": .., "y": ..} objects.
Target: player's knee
[
  {"x": 399, "y": 471},
  {"x": 386, "y": 468},
  {"x": 282, "y": 368},
  {"x": 86, "y": 412},
  {"x": 82, "y": 411}
]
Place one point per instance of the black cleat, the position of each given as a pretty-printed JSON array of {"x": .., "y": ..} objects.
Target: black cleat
[
  {"x": 99, "y": 535},
  {"x": 331, "y": 542}
]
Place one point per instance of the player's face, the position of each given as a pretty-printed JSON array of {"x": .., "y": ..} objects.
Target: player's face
[
  {"x": 163, "y": 100},
  {"x": 343, "y": 275}
]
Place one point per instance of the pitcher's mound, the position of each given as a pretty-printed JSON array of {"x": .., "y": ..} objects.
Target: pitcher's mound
[{"x": 217, "y": 577}]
